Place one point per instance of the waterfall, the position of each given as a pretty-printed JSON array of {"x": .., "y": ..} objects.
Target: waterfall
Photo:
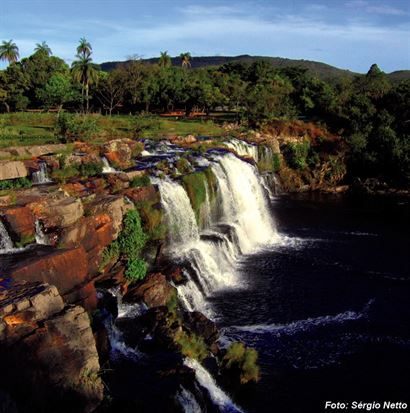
[
  {"x": 6, "y": 244},
  {"x": 107, "y": 168},
  {"x": 243, "y": 148},
  {"x": 188, "y": 401},
  {"x": 41, "y": 176},
  {"x": 218, "y": 396},
  {"x": 41, "y": 237},
  {"x": 242, "y": 224}
]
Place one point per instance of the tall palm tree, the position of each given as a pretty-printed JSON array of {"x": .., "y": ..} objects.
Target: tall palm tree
[
  {"x": 43, "y": 47},
  {"x": 185, "y": 60},
  {"x": 164, "y": 59},
  {"x": 9, "y": 51},
  {"x": 84, "y": 71},
  {"x": 84, "y": 48}
]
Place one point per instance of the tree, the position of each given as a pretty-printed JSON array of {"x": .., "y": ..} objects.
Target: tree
[
  {"x": 185, "y": 60},
  {"x": 84, "y": 48},
  {"x": 110, "y": 90},
  {"x": 84, "y": 71},
  {"x": 44, "y": 48},
  {"x": 57, "y": 91},
  {"x": 165, "y": 59},
  {"x": 9, "y": 51}
]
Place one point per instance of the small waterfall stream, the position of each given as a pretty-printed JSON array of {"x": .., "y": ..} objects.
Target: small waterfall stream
[
  {"x": 6, "y": 244},
  {"x": 107, "y": 168},
  {"x": 41, "y": 176},
  {"x": 243, "y": 148}
]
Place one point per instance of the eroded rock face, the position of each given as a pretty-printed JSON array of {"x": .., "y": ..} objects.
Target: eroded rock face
[
  {"x": 142, "y": 194},
  {"x": 112, "y": 205},
  {"x": 48, "y": 351},
  {"x": 66, "y": 269},
  {"x": 20, "y": 221},
  {"x": 154, "y": 290},
  {"x": 12, "y": 170}
]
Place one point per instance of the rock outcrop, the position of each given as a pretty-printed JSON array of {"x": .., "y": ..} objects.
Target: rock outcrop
[
  {"x": 12, "y": 170},
  {"x": 48, "y": 351}
]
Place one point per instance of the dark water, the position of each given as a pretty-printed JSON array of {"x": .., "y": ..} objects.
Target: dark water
[{"x": 328, "y": 309}]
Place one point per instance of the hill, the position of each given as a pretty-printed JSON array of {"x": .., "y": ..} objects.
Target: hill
[{"x": 322, "y": 70}]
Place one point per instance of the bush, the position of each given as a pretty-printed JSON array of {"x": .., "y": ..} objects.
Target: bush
[
  {"x": 238, "y": 357},
  {"x": 192, "y": 346},
  {"x": 91, "y": 169},
  {"x": 65, "y": 173},
  {"x": 296, "y": 154},
  {"x": 136, "y": 269},
  {"x": 140, "y": 181},
  {"x": 15, "y": 183},
  {"x": 76, "y": 127}
]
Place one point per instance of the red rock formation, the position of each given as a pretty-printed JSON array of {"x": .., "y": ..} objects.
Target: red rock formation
[
  {"x": 142, "y": 193},
  {"x": 20, "y": 221}
]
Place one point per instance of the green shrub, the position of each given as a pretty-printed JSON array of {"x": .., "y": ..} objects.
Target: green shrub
[
  {"x": 276, "y": 163},
  {"x": 140, "y": 181},
  {"x": 192, "y": 346},
  {"x": 135, "y": 270},
  {"x": 65, "y": 173},
  {"x": 15, "y": 183},
  {"x": 243, "y": 359},
  {"x": 91, "y": 169},
  {"x": 296, "y": 154},
  {"x": 183, "y": 165},
  {"x": 76, "y": 127},
  {"x": 109, "y": 254},
  {"x": 25, "y": 240}
]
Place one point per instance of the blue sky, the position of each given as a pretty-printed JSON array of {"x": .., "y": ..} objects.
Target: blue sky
[{"x": 350, "y": 34}]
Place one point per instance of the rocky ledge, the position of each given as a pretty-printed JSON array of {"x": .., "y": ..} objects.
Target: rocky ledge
[{"x": 48, "y": 350}]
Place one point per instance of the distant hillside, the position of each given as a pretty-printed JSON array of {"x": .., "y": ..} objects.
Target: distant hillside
[{"x": 322, "y": 70}]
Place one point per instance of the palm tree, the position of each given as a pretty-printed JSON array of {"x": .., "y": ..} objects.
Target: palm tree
[
  {"x": 43, "y": 47},
  {"x": 9, "y": 51},
  {"x": 84, "y": 71},
  {"x": 84, "y": 49},
  {"x": 185, "y": 59},
  {"x": 165, "y": 59}
]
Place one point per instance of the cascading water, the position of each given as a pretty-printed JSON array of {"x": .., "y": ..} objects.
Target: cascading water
[
  {"x": 243, "y": 148},
  {"x": 218, "y": 396},
  {"x": 107, "y": 168},
  {"x": 41, "y": 237},
  {"x": 6, "y": 244},
  {"x": 41, "y": 176},
  {"x": 242, "y": 224}
]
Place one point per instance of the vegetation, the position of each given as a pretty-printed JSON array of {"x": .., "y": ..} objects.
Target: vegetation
[
  {"x": 15, "y": 183},
  {"x": 242, "y": 359},
  {"x": 140, "y": 181},
  {"x": 192, "y": 346},
  {"x": 370, "y": 112}
]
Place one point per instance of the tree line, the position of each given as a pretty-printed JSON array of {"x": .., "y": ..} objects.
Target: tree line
[{"x": 369, "y": 111}]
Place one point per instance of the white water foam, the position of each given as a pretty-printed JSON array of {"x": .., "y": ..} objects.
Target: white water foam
[
  {"x": 218, "y": 396},
  {"x": 107, "y": 168},
  {"x": 188, "y": 401}
]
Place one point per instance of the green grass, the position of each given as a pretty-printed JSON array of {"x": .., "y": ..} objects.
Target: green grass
[{"x": 25, "y": 128}]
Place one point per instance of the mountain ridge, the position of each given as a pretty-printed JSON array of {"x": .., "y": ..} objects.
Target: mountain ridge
[{"x": 323, "y": 70}]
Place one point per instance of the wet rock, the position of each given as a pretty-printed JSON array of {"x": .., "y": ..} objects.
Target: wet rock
[
  {"x": 201, "y": 326},
  {"x": 20, "y": 222},
  {"x": 66, "y": 269},
  {"x": 142, "y": 194},
  {"x": 154, "y": 290},
  {"x": 112, "y": 205},
  {"x": 12, "y": 170},
  {"x": 58, "y": 213},
  {"x": 48, "y": 350}
]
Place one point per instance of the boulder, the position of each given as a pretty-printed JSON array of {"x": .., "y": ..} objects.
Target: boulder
[
  {"x": 112, "y": 205},
  {"x": 60, "y": 213},
  {"x": 94, "y": 233},
  {"x": 142, "y": 194},
  {"x": 20, "y": 222},
  {"x": 201, "y": 326},
  {"x": 36, "y": 150},
  {"x": 12, "y": 170},
  {"x": 154, "y": 290},
  {"x": 65, "y": 268},
  {"x": 119, "y": 152},
  {"x": 48, "y": 351},
  {"x": 131, "y": 174}
]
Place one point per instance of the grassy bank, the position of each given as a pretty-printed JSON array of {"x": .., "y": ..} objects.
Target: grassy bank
[{"x": 25, "y": 128}]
